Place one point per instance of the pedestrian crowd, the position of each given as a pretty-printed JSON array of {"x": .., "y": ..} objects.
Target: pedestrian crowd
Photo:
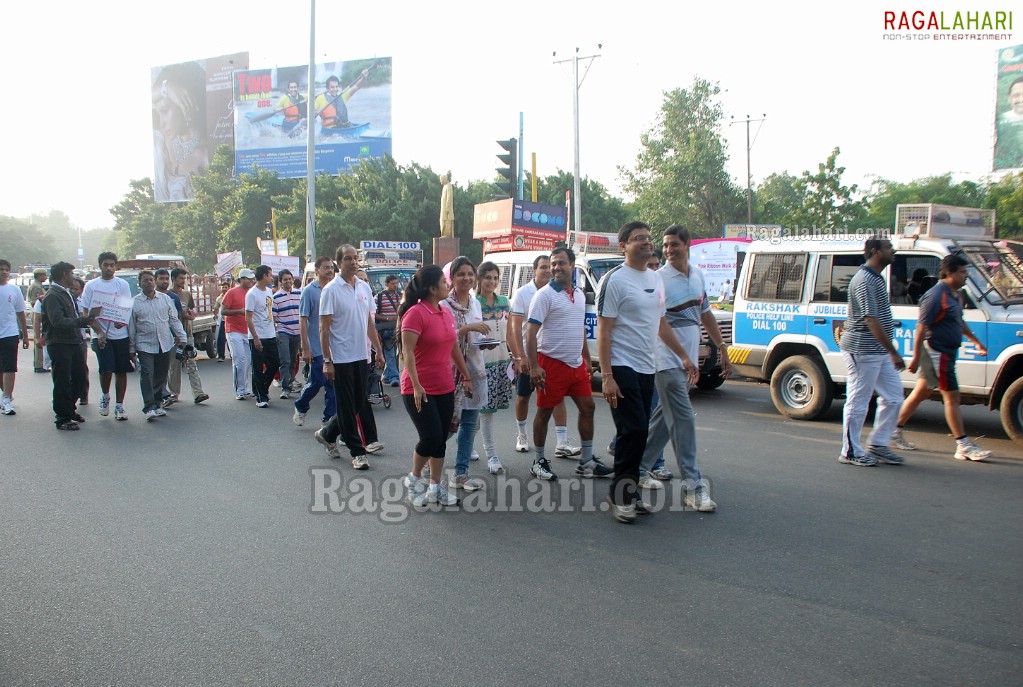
[{"x": 459, "y": 352}]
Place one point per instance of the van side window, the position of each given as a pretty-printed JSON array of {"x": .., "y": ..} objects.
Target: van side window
[
  {"x": 911, "y": 277},
  {"x": 777, "y": 277},
  {"x": 504, "y": 287},
  {"x": 525, "y": 276},
  {"x": 834, "y": 272}
]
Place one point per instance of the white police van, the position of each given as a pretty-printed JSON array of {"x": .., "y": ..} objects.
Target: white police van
[
  {"x": 596, "y": 253},
  {"x": 791, "y": 306}
]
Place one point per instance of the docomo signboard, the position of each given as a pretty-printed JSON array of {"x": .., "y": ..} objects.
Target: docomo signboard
[
  {"x": 511, "y": 224},
  {"x": 226, "y": 262},
  {"x": 276, "y": 263}
]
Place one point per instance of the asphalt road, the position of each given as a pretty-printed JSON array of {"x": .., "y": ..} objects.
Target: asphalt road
[{"x": 187, "y": 552}]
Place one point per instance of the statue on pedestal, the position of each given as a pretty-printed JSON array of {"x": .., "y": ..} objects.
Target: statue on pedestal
[{"x": 447, "y": 208}]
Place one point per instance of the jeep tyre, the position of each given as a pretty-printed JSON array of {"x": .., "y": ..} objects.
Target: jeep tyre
[
  {"x": 1012, "y": 411},
  {"x": 800, "y": 389}
]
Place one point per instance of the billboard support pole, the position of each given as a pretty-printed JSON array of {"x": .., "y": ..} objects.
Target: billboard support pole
[
  {"x": 310, "y": 157},
  {"x": 576, "y": 85}
]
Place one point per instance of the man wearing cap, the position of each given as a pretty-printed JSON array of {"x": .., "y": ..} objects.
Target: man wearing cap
[
  {"x": 36, "y": 291},
  {"x": 233, "y": 310}
]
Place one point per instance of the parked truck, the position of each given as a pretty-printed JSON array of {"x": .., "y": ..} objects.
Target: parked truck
[{"x": 204, "y": 290}]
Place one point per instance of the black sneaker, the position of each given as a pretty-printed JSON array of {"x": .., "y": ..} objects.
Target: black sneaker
[{"x": 594, "y": 468}]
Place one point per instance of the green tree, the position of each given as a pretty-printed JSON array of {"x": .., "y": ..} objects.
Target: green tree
[
  {"x": 680, "y": 170},
  {"x": 23, "y": 244},
  {"x": 140, "y": 222},
  {"x": 1006, "y": 197},
  {"x": 826, "y": 203},
  {"x": 776, "y": 199},
  {"x": 886, "y": 195}
]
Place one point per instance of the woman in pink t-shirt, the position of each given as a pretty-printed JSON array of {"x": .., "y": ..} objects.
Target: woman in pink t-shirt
[{"x": 428, "y": 348}]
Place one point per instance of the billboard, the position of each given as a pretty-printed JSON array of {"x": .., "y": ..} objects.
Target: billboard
[
  {"x": 351, "y": 116},
  {"x": 1008, "y": 152},
  {"x": 192, "y": 115},
  {"x": 511, "y": 224}
]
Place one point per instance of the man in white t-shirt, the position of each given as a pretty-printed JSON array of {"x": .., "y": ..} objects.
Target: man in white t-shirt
[
  {"x": 523, "y": 386},
  {"x": 111, "y": 341},
  {"x": 630, "y": 317},
  {"x": 262, "y": 335},
  {"x": 346, "y": 332},
  {"x": 13, "y": 326},
  {"x": 559, "y": 363}
]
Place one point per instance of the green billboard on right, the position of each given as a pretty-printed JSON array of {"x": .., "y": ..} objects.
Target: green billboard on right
[{"x": 1008, "y": 152}]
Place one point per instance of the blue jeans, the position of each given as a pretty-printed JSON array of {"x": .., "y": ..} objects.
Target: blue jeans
[
  {"x": 466, "y": 436},
  {"x": 390, "y": 360},
  {"x": 312, "y": 387}
]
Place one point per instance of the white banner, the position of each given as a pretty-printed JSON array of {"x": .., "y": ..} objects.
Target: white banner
[
  {"x": 281, "y": 262},
  {"x": 115, "y": 309},
  {"x": 267, "y": 246},
  {"x": 227, "y": 262}
]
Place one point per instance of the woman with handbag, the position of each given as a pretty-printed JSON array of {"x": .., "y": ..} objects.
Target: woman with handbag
[
  {"x": 495, "y": 309},
  {"x": 429, "y": 346},
  {"x": 471, "y": 329}
]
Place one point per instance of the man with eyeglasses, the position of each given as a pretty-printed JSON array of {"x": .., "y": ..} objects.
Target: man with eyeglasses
[{"x": 630, "y": 316}]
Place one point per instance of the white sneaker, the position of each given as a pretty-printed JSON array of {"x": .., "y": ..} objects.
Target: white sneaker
[
  {"x": 701, "y": 501},
  {"x": 374, "y": 446},
  {"x": 648, "y": 482},
  {"x": 151, "y": 415},
  {"x": 440, "y": 494},
  {"x": 6, "y": 406},
  {"x": 567, "y": 450},
  {"x": 494, "y": 465},
  {"x": 415, "y": 489},
  {"x": 626, "y": 514},
  {"x": 899, "y": 441},
  {"x": 298, "y": 418},
  {"x": 972, "y": 452},
  {"x": 104, "y": 405},
  {"x": 329, "y": 447},
  {"x": 465, "y": 482},
  {"x": 521, "y": 443},
  {"x": 160, "y": 412},
  {"x": 474, "y": 455},
  {"x": 360, "y": 463},
  {"x": 119, "y": 412}
]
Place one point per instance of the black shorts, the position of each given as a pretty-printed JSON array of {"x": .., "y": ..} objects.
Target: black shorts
[
  {"x": 115, "y": 357},
  {"x": 9, "y": 353},
  {"x": 523, "y": 386},
  {"x": 433, "y": 422}
]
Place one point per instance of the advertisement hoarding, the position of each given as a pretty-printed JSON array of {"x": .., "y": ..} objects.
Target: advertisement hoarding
[
  {"x": 511, "y": 224},
  {"x": 192, "y": 115},
  {"x": 351, "y": 116},
  {"x": 1008, "y": 150}
]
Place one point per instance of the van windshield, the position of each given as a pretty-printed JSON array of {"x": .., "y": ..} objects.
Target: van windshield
[
  {"x": 997, "y": 270},
  {"x": 601, "y": 266}
]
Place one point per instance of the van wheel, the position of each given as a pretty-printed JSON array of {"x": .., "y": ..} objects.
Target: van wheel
[
  {"x": 709, "y": 381},
  {"x": 210, "y": 344},
  {"x": 1012, "y": 411},
  {"x": 800, "y": 389}
]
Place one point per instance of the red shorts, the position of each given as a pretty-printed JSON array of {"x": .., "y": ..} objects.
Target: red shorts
[{"x": 560, "y": 381}]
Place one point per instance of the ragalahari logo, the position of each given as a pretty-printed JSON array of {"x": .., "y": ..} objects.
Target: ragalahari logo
[{"x": 977, "y": 25}]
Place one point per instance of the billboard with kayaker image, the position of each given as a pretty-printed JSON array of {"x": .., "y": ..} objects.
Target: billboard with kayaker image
[
  {"x": 350, "y": 116},
  {"x": 192, "y": 115}
]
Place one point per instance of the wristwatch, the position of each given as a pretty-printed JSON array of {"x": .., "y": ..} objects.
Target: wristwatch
[{"x": 328, "y": 360}]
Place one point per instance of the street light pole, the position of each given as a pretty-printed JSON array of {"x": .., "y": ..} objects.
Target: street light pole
[
  {"x": 749, "y": 173},
  {"x": 310, "y": 156},
  {"x": 576, "y": 85}
]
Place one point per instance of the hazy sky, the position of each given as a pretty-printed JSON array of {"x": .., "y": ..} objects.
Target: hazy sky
[{"x": 78, "y": 121}]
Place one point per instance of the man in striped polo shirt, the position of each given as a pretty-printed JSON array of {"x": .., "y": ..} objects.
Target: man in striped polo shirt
[
  {"x": 289, "y": 337},
  {"x": 871, "y": 360},
  {"x": 559, "y": 363}
]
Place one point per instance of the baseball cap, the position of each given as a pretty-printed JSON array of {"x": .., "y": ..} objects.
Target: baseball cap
[
  {"x": 247, "y": 273},
  {"x": 39, "y": 270}
]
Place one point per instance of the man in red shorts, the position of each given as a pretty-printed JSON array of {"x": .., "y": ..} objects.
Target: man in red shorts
[{"x": 559, "y": 363}]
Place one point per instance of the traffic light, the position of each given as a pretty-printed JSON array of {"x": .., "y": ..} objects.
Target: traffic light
[{"x": 511, "y": 171}]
